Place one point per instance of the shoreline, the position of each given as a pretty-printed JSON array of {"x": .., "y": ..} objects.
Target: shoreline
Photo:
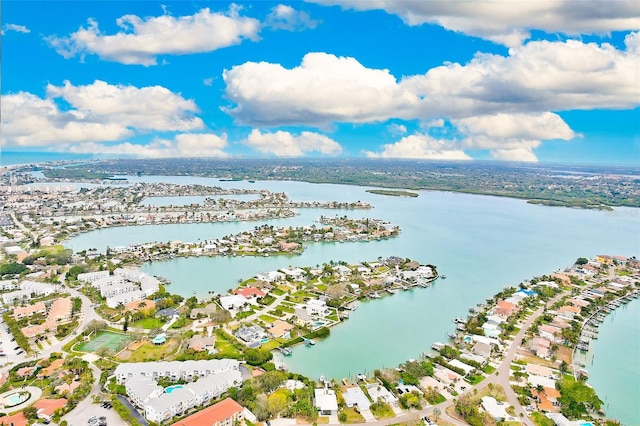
[{"x": 546, "y": 201}]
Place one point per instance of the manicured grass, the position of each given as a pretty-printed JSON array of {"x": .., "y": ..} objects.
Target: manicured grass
[
  {"x": 270, "y": 345},
  {"x": 267, "y": 318},
  {"x": 287, "y": 309},
  {"x": 277, "y": 292},
  {"x": 488, "y": 369},
  {"x": 382, "y": 411},
  {"x": 474, "y": 380},
  {"x": 148, "y": 323},
  {"x": 150, "y": 352},
  {"x": 353, "y": 416}
]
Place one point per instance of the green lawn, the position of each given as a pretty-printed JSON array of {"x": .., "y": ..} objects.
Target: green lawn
[
  {"x": 267, "y": 318},
  {"x": 226, "y": 346},
  {"x": 150, "y": 352},
  {"x": 353, "y": 416},
  {"x": 382, "y": 410},
  {"x": 148, "y": 323}
]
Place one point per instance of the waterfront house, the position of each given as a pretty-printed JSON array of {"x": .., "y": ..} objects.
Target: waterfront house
[
  {"x": 251, "y": 336},
  {"x": 326, "y": 401},
  {"x": 280, "y": 328},
  {"x": 505, "y": 309},
  {"x": 235, "y": 301},
  {"x": 355, "y": 396},
  {"x": 250, "y": 292},
  {"x": 547, "y": 400},
  {"x": 550, "y": 332},
  {"x": 317, "y": 307}
]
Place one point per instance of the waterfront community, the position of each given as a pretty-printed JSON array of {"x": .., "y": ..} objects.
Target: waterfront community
[{"x": 89, "y": 332}]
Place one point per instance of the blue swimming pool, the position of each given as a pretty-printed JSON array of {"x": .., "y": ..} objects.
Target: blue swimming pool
[
  {"x": 15, "y": 399},
  {"x": 170, "y": 389}
]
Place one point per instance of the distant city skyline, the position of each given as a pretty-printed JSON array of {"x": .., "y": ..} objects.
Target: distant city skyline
[{"x": 441, "y": 80}]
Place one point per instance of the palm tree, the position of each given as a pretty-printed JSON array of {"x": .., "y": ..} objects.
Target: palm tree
[
  {"x": 436, "y": 413},
  {"x": 540, "y": 390}
]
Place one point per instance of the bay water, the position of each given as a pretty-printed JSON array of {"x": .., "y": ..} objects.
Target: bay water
[{"x": 481, "y": 243}]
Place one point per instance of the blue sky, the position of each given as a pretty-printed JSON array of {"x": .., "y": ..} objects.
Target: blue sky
[{"x": 524, "y": 81}]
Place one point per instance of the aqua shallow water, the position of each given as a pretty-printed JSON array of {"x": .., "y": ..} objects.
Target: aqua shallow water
[{"x": 614, "y": 372}]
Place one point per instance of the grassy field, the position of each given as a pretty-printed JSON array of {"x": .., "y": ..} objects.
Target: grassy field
[
  {"x": 148, "y": 323},
  {"x": 225, "y": 346},
  {"x": 150, "y": 352},
  {"x": 113, "y": 342}
]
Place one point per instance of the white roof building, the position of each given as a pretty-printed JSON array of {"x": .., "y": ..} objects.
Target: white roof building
[
  {"x": 326, "y": 401},
  {"x": 214, "y": 378},
  {"x": 92, "y": 276},
  {"x": 233, "y": 302}
]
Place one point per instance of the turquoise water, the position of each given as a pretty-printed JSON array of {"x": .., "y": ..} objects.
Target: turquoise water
[
  {"x": 170, "y": 389},
  {"x": 15, "y": 399},
  {"x": 614, "y": 372},
  {"x": 481, "y": 243}
]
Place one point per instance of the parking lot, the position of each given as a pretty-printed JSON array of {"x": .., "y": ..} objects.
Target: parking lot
[{"x": 86, "y": 410}]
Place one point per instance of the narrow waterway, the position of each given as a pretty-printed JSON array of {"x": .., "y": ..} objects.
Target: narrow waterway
[{"x": 614, "y": 372}]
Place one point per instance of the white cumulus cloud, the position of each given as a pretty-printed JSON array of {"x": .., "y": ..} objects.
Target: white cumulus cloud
[
  {"x": 183, "y": 145},
  {"x": 93, "y": 112},
  {"x": 141, "y": 40},
  {"x": 283, "y": 17},
  {"x": 538, "y": 77},
  {"x": 285, "y": 144},
  {"x": 323, "y": 89},
  {"x": 509, "y": 22},
  {"x": 421, "y": 146}
]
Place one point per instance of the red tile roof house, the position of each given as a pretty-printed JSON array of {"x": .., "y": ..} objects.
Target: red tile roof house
[
  {"x": 224, "y": 413},
  {"x": 46, "y": 407},
  {"x": 505, "y": 309},
  {"x": 249, "y": 292},
  {"x": 16, "y": 420},
  {"x": 548, "y": 399}
]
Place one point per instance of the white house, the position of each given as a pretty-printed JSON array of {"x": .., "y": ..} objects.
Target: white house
[
  {"x": 233, "y": 301},
  {"x": 317, "y": 307},
  {"x": 326, "y": 401}
]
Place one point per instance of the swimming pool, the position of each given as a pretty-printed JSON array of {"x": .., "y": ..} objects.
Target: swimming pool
[
  {"x": 170, "y": 389},
  {"x": 16, "y": 399}
]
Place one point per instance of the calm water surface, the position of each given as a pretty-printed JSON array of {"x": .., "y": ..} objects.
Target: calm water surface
[{"x": 481, "y": 243}]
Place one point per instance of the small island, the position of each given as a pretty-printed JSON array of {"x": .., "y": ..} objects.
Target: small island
[{"x": 393, "y": 193}]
